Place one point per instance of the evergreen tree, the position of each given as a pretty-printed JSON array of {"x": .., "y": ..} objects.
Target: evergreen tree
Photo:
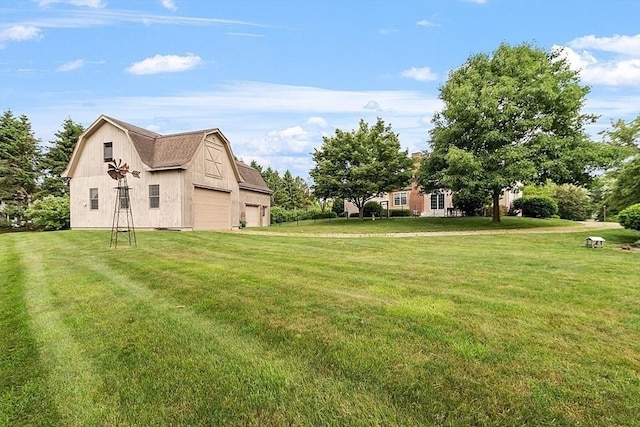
[
  {"x": 293, "y": 196},
  {"x": 19, "y": 153},
  {"x": 274, "y": 182},
  {"x": 56, "y": 159}
]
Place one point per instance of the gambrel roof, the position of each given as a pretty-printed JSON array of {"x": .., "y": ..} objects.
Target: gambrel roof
[{"x": 174, "y": 151}]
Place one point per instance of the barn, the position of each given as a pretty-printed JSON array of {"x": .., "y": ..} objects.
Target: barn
[{"x": 187, "y": 181}]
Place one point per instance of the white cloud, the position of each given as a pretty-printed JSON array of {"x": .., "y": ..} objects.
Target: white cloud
[
  {"x": 80, "y": 3},
  {"x": 165, "y": 64},
  {"x": 262, "y": 120},
  {"x": 169, "y": 4},
  {"x": 72, "y": 65},
  {"x": 387, "y": 31},
  {"x": 18, "y": 33},
  {"x": 616, "y": 72},
  {"x": 317, "y": 121},
  {"x": 420, "y": 74},
  {"x": 295, "y": 139},
  {"x": 628, "y": 45},
  {"x": 372, "y": 105},
  {"x": 426, "y": 23},
  {"x": 236, "y": 34}
]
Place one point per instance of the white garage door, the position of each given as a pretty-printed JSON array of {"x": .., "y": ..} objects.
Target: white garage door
[
  {"x": 252, "y": 215},
  {"x": 211, "y": 210}
]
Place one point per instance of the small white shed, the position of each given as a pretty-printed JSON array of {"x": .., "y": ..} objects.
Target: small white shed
[{"x": 594, "y": 242}]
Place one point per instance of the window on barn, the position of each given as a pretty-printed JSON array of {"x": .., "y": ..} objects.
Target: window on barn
[
  {"x": 93, "y": 198},
  {"x": 154, "y": 196},
  {"x": 399, "y": 199},
  {"x": 108, "y": 151}
]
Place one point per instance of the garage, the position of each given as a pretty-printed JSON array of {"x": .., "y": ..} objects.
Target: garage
[
  {"x": 252, "y": 215},
  {"x": 211, "y": 209}
]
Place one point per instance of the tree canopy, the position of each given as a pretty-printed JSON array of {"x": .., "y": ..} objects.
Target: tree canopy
[
  {"x": 19, "y": 154},
  {"x": 289, "y": 192},
  {"x": 361, "y": 164},
  {"x": 56, "y": 159},
  {"x": 625, "y": 189},
  {"x": 511, "y": 117}
]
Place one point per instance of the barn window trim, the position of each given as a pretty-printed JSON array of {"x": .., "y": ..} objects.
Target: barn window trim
[
  {"x": 154, "y": 196},
  {"x": 107, "y": 151},
  {"x": 93, "y": 199}
]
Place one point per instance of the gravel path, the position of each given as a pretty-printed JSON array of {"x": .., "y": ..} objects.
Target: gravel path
[{"x": 585, "y": 226}]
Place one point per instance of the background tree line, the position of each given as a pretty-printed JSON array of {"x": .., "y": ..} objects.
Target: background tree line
[
  {"x": 32, "y": 191},
  {"x": 510, "y": 118}
]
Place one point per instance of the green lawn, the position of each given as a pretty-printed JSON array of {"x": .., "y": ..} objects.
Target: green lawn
[
  {"x": 195, "y": 328},
  {"x": 411, "y": 225}
]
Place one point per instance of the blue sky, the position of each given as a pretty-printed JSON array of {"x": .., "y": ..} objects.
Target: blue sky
[{"x": 276, "y": 76}]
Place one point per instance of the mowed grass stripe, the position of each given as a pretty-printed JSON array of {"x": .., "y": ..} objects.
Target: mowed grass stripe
[
  {"x": 467, "y": 347},
  {"x": 502, "y": 330},
  {"x": 24, "y": 395},
  {"x": 481, "y": 283},
  {"x": 73, "y": 381},
  {"x": 172, "y": 343}
]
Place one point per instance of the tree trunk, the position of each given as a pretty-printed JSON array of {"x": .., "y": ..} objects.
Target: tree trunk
[
  {"x": 496, "y": 206},
  {"x": 361, "y": 212}
]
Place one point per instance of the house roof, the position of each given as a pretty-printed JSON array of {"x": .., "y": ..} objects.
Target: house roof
[
  {"x": 163, "y": 151},
  {"x": 175, "y": 151},
  {"x": 252, "y": 179}
]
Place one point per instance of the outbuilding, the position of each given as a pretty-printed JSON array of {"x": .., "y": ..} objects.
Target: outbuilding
[
  {"x": 188, "y": 181},
  {"x": 594, "y": 242}
]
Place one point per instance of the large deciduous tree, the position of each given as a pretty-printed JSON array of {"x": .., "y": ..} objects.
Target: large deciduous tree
[
  {"x": 361, "y": 164},
  {"x": 625, "y": 190},
  {"x": 19, "y": 153},
  {"x": 56, "y": 159},
  {"x": 510, "y": 117}
]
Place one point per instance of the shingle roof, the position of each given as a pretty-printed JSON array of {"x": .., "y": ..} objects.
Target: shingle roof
[
  {"x": 252, "y": 178},
  {"x": 176, "y": 150}
]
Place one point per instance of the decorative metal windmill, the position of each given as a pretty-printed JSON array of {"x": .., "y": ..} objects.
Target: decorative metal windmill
[{"x": 122, "y": 214}]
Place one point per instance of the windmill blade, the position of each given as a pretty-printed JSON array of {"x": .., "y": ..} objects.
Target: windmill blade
[{"x": 113, "y": 174}]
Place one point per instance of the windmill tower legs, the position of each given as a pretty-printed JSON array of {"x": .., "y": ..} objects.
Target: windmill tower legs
[{"x": 122, "y": 215}]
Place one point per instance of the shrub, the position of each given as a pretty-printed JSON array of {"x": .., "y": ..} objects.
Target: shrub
[
  {"x": 338, "y": 207},
  {"x": 50, "y": 213},
  {"x": 630, "y": 217},
  {"x": 4, "y": 223},
  {"x": 324, "y": 215},
  {"x": 471, "y": 203},
  {"x": 536, "y": 206},
  {"x": 399, "y": 212},
  {"x": 280, "y": 215},
  {"x": 573, "y": 202},
  {"x": 371, "y": 208}
]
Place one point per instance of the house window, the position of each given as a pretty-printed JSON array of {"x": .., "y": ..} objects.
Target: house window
[
  {"x": 93, "y": 198},
  {"x": 399, "y": 199},
  {"x": 437, "y": 200},
  {"x": 108, "y": 151},
  {"x": 154, "y": 196}
]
